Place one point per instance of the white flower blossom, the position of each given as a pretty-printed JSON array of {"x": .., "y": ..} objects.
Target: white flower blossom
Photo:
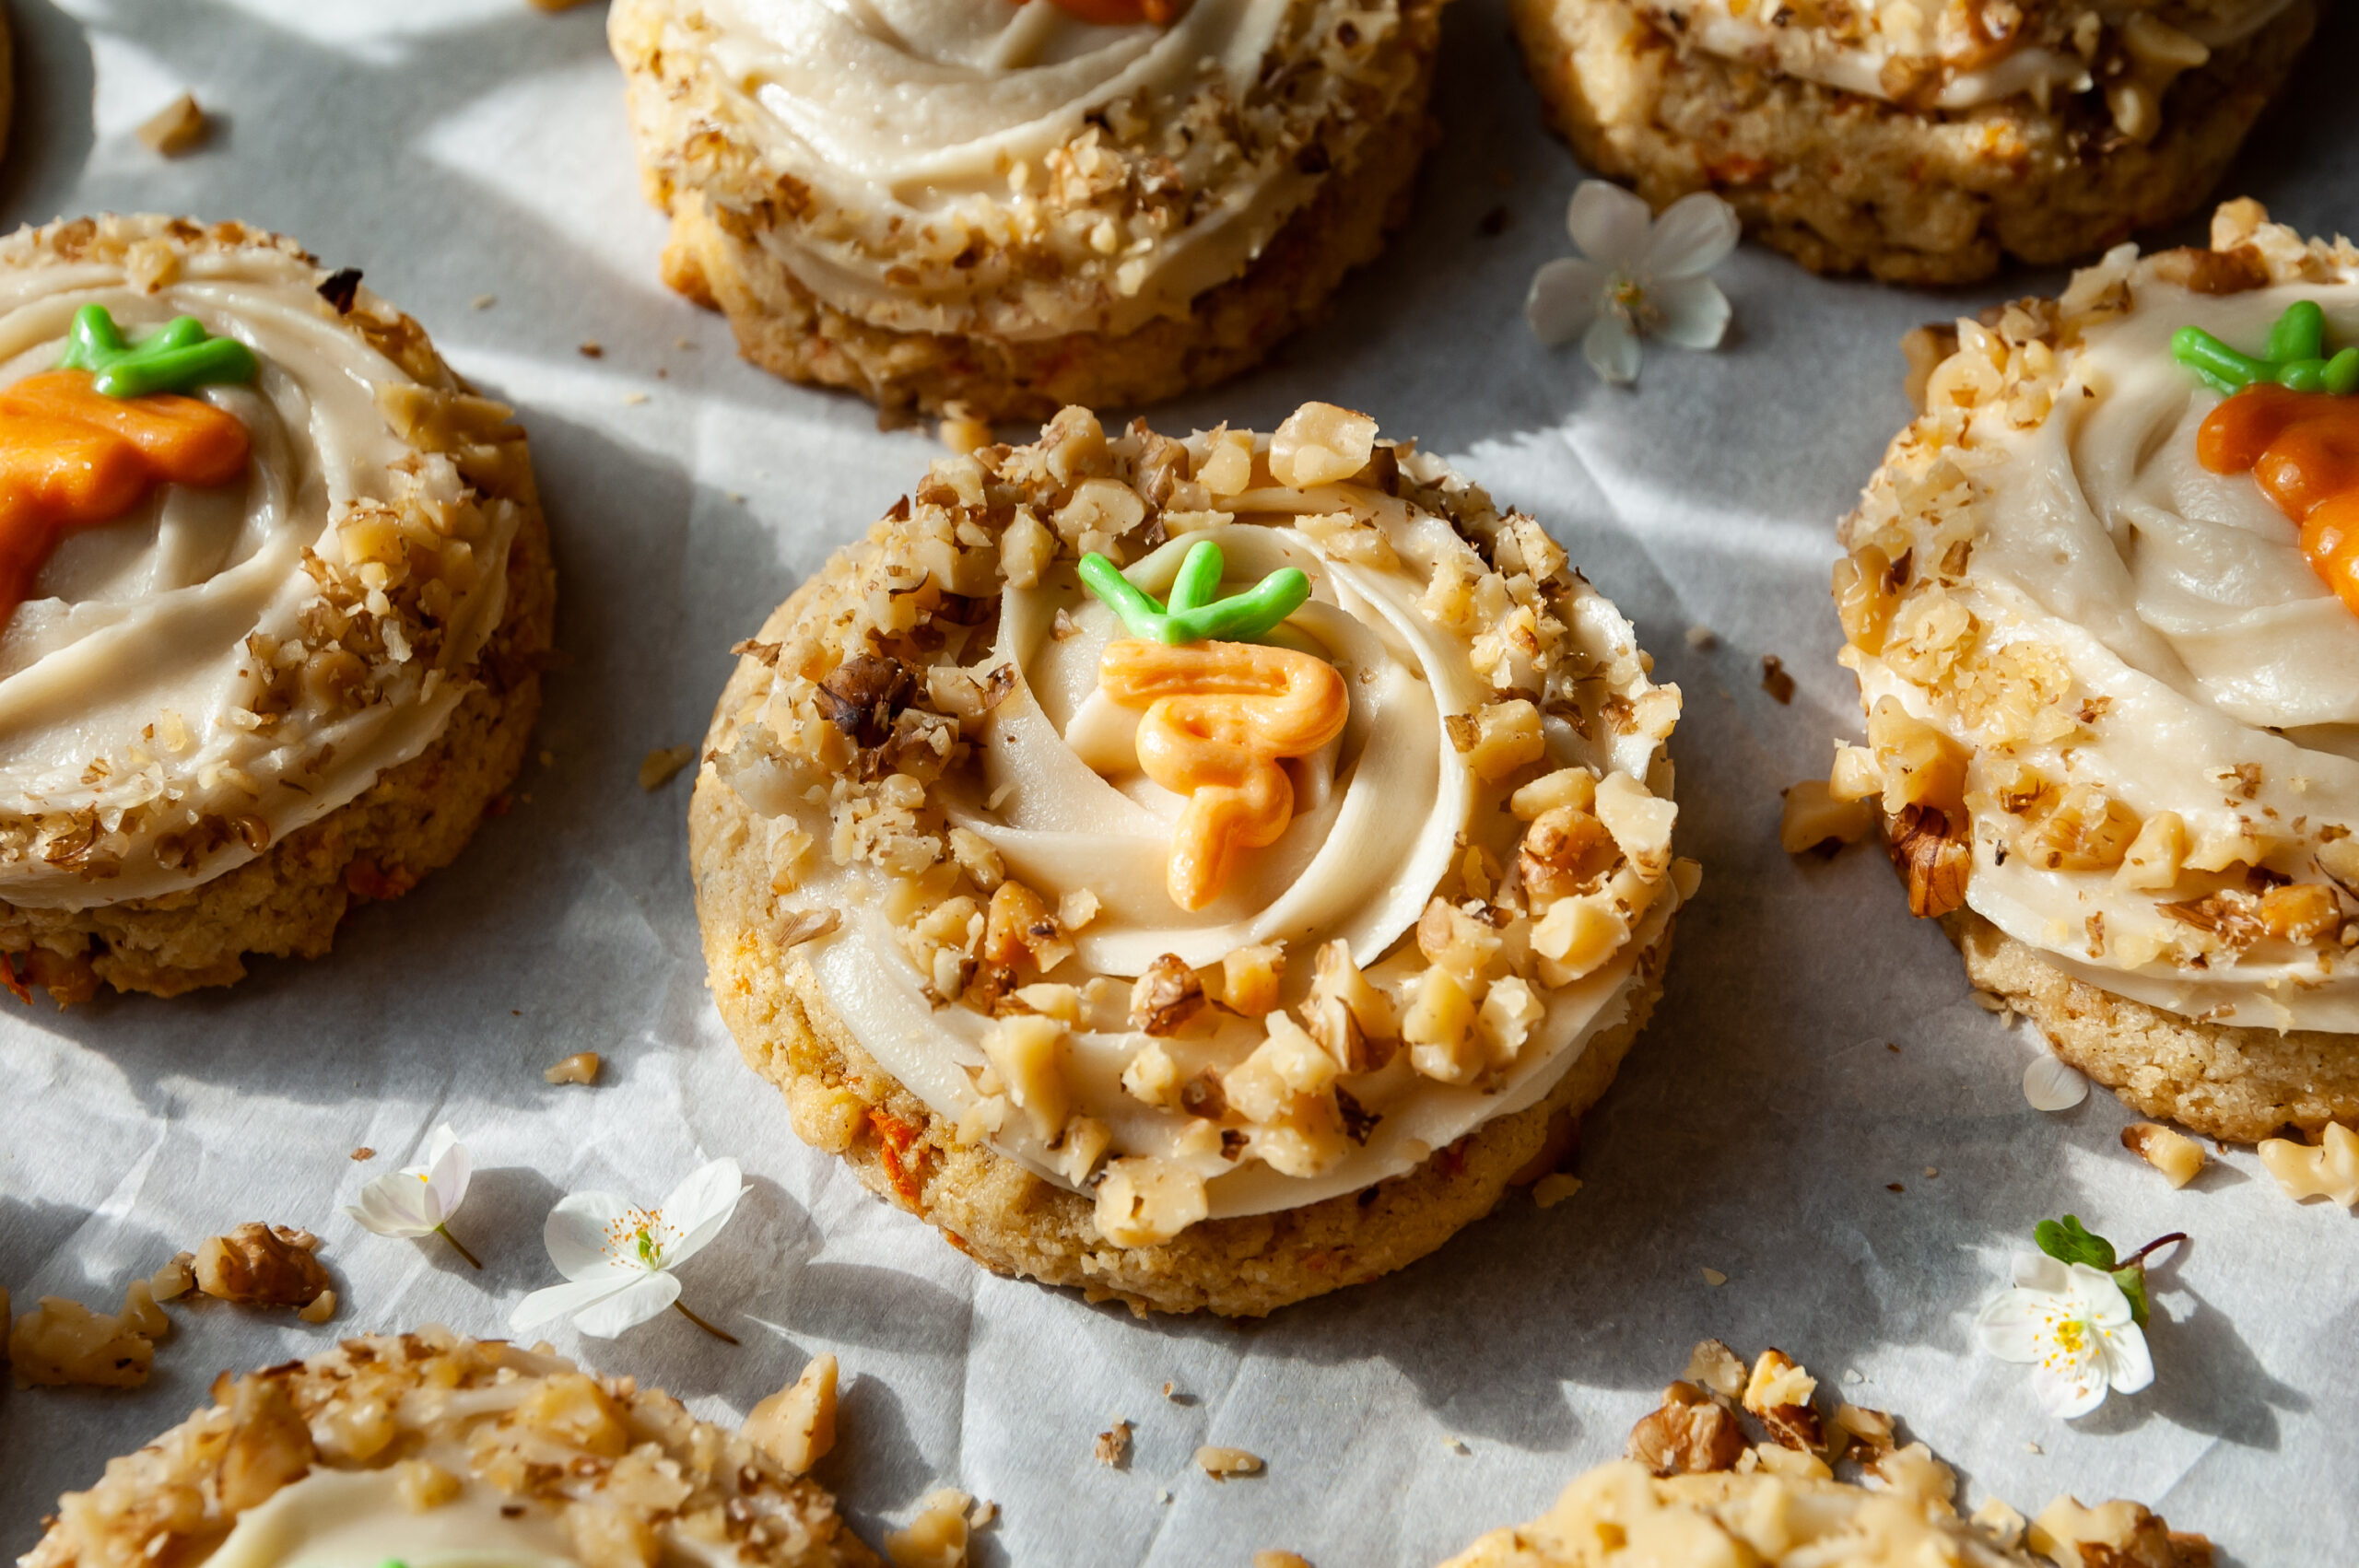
[
  {"x": 2074, "y": 1325},
  {"x": 1636, "y": 273},
  {"x": 419, "y": 1199},
  {"x": 618, "y": 1258}
]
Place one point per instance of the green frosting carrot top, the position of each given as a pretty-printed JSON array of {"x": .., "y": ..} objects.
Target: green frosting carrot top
[
  {"x": 179, "y": 358},
  {"x": 1193, "y": 614},
  {"x": 2295, "y": 357}
]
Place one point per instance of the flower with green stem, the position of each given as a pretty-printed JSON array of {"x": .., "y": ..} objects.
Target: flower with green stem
[
  {"x": 619, "y": 1258},
  {"x": 2077, "y": 1315},
  {"x": 2295, "y": 358},
  {"x": 419, "y": 1199},
  {"x": 1194, "y": 613},
  {"x": 177, "y": 357}
]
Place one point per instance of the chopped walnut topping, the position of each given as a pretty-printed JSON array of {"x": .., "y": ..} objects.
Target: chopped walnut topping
[
  {"x": 2177, "y": 1156},
  {"x": 2113, "y": 1535},
  {"x": 1934, "y": 857},
  {"x": 1166, "y": 997},
  {"x": 796, "y": 1426},
  {"x": 1812, "y": 818},
  {"x": 1779, "y": 1392},
  {"x": 259, "y": 1265},
  {"x": 180, "y": 126},
  {"x": 1689, "y": 1435},
  {"x": 581, "y": 1067},
  {"x": 1113, "y": 1447},
  {"x": 1222, "y": 1463},
  {"x": 936, "y": 1538},
  {"x": 2328, "y": 1168},
  {"x": 61, "y": 1342}
]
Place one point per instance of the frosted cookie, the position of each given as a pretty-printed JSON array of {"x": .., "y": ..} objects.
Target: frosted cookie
[
  {"x": 2103, "y": 608},
  {"x": 439, "y": 1452},
  {"x": 1697, "y": 1490},
  {"x": 1916, "y": 141},
  {"x": 1007, "y": 207},
  {"x": 1197, "y": 871},
  {"x": 273, "y": 591}
]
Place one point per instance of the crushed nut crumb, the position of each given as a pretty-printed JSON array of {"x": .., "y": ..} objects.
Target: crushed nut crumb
[{"x": 581, "y": 1067}]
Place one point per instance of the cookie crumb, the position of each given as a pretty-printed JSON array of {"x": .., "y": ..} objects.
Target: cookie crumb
[
  {"x": 581, "y": 1067},
  {"x": 592, "y": 349},
  {"x": 1893, "y": 1186},
  {"x": 1702, "y": 638},
  {"x": 2033, "y": 1449},
  {"x": 1456, "y": 1444},
  {"x": 663, "y": 765},
  {"x": 180, "y": 126},
  {"x": 1932, "y": 1171},
  {"x": 1553, "y": 1188},
  {"x": 1222, "y": 1463},
  {"x": 1114, "y": 1446},
  {"x": 364, "y": 1153},
  {"x": 633, "y": 399},
  {"x": 1715, "y": 1278},
  {"x": 486, "y": 301},
  {"x": 1775, "y": 681}
]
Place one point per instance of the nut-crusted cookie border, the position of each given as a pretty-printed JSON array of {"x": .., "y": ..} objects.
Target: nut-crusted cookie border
[
  {"x": 1930, "y": 198},
  {"x": 2224, "y": 1080},
  {"x": 413, "y": 818},
  {"x": 624, "y": 1464}
]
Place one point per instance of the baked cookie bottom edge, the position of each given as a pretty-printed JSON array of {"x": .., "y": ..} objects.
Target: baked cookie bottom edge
[
  {"x": 1926, "y": 199},
  {"x": 2223, "y": 1080}
]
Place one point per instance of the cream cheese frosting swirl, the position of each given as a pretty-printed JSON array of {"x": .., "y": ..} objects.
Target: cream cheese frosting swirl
[
  {"x": 2156, "y": 685},
  {"x": 1209, "y": 1053},
  {"x": 963, "y": 166},
  {"x": 219, "y": 667}
]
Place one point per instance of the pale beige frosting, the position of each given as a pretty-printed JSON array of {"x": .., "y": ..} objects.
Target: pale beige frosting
[
  {"x": 1384, "y": 817},
  {"x": 129, "y": 685},
  {"x": 1861, "y": 55},
  {"x": 912, "y": 129},
  {"x": 2179, "y": 601},
  {"x": 361, "y": 1519}
]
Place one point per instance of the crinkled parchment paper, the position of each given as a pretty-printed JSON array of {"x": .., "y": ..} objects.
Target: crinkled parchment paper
[{"x": 471, "y": 156}]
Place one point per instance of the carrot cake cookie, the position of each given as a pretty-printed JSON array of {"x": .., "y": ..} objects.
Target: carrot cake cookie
[
  {"x": 1201, "y": 871},
  {"x": 273, "y": 593},
  {"x": 2102, "y": 602}
]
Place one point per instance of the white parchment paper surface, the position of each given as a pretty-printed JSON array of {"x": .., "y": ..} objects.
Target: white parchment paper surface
[{"x": 470, "y": 154}]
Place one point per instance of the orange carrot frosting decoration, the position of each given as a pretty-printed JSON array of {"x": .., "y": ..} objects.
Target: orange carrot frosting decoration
[
  {"x": 73, "y": 455},
  {"x": 2293, "y": 421},
  {"x": 1219, "y": 715}
]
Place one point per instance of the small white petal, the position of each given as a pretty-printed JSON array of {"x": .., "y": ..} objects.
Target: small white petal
[
  {"x": 1695, "y": 313},
  {"x": 2037, "y": 1272},
  {"x": 2098, "y": 1297},
  {"x": 2128, "y": 1364},
  {"x": 1609, "y": 224},
  {"x": 563, "y": 1300},
  {"x": 643, "y": 1298},
  {"x": 448, "y": 1169},
  {"x": 1612, "y": 349},
  {"x": 2067, "y": 1389},
  {"x": 2050, "y": 1085},
  {"x": 382, "y": 1209},
  {"x": 2006, "y": 1329},
  {"x": 1564, "y": 299},
  {"x": 1693, "y": 235},
  {"x": 576, "y": 1232},
  {"x": 699, "y": 1206}
]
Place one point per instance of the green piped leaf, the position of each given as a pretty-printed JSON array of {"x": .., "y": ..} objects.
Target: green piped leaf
[
  {"x": 2294, "y": 357},
  {"x": 177, "y": 357},
  {"x": 1194, "y": 614}
]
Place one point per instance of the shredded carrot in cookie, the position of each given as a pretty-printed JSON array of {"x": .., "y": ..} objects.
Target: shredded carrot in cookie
[
  {"x": 72, "y": 457},
  {"x": 897, "y": 1136}
]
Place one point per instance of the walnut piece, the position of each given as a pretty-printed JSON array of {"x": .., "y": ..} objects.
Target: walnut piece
[
  {"x": 796, "y": 1426},
  {"x": 1222, "y": 1463},
  {"x": 177, "y": 127},
  {"x": 581, "y": 1067},
  {"x": 259, "y": 1265},
  {"x": 1933, "y": 856},
  {"x": 2328, "y": 1168},
  {"x": 2113, "y": 1535},
  {"x": 1812, "y": 818},
  {"x": 1689, "y": 1435},
  {"x": 2177, "y": 1156},
  {"x": 1166, "y": 997},
  {"x": 1779, "y": 1393},
  {"x": 936, "y": 1538},
  {"x": 62, "y": 1342}
]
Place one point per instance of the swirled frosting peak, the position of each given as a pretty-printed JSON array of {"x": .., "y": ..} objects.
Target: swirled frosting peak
[{"x": 972, "y": 824}]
